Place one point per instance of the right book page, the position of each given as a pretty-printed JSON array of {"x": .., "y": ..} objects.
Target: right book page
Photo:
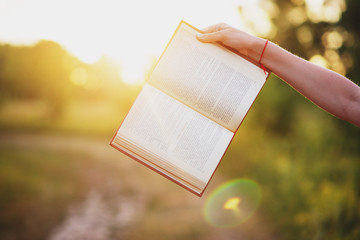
[{"x": 209, "y": 78}]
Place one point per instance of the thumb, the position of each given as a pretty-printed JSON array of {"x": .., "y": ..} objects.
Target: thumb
[{"x": 211, "y": 37}]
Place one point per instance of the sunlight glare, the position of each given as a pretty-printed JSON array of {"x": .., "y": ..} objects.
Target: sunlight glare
[
  {"x": 118, "y": 29},
  {"x": 85, "y": 55},
  {"x": 133, "y": 71}
]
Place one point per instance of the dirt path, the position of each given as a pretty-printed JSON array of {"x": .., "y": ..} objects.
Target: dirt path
[
  {"x": 115, "y": 205},
  {"x": 125, "y": 200}
]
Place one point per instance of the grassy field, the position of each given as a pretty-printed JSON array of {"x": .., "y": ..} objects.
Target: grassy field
[
  {"x": 74, "y": 187},
  {"x": 60, "y": 179}
]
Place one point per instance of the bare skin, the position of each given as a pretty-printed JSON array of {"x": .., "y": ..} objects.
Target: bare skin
[{"x": 329, "y": 90}]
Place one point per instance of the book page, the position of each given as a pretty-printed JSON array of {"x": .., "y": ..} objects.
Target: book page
[
  {"x": 169, "y": 129},
  {"x": 208, "y": 77}
]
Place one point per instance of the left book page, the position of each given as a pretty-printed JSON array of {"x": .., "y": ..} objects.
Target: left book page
[{"x": 172, "y": 139}]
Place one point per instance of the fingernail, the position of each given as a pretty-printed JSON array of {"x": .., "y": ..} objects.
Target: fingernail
[{"x": 199, "y": 35}]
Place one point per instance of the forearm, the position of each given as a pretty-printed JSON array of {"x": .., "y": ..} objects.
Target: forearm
[
  {"x": 327, "y": 89},
  {"x": 302, "y": 75}
]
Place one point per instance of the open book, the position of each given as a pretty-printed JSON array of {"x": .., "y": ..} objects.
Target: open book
[{"x": 188, "y": 111}]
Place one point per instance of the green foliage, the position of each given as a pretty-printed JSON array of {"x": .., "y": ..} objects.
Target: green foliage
[
  {"x": 305, "y": 160},
  {"x": 305, "y": 34}
]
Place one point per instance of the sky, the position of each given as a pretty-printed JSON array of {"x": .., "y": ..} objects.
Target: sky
[{"x": 132, "y": 32}]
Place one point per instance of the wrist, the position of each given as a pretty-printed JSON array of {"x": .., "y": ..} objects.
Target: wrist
[
  {"x": 257, "y": 49},
  {"x": 263, "y": 51}
]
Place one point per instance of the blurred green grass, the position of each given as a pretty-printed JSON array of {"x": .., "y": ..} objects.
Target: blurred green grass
[
  {"x": 84, "y": 117},
  {"x": 306, "y": 164}
]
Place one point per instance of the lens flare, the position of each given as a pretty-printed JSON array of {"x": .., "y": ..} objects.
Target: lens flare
[{"x": 232, "y": 203}]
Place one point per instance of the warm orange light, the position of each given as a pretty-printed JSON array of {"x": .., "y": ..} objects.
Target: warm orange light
[{"x": 129, "y": 32}]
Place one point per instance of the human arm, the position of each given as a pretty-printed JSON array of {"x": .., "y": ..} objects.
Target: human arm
[{"x": 329, "y": 90}]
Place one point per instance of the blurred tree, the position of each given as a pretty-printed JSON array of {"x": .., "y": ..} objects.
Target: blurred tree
[
  {"x": 48, "y": 72},
  {"x": 314, "y": 178},
  {"x": 325, "y": 32},
  {"x": 36, "y": 72}
]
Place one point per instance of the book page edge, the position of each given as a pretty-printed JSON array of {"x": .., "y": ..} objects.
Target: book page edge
[{"x": 134, "y": 157}]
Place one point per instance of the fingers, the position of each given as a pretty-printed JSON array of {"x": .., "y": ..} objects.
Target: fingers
[
  {"x": 231, "y": 37},
  {"x": 216, "y": 28},
  {"x": 214, "y": 33},
  {"x": 211, "y": 37}
]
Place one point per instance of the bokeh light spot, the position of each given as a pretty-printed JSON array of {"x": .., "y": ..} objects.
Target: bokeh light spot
[
  {"x": 232, "y": 203},
  {"x": 332, "y": 40},
  {"x": 304, "y": 35},
  {"x": 319, "y": 60},
  {"x": 325, "y": 10},
  {"x": 297, "y": 16}
]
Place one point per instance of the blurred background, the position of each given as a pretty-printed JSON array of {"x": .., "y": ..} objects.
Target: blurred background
[{"x": 69, "y": 72}]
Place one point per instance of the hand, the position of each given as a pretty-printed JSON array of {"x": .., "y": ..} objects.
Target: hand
[
  {"x": 339, "y": 96},
  {"x": 242, "y": 42}
]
